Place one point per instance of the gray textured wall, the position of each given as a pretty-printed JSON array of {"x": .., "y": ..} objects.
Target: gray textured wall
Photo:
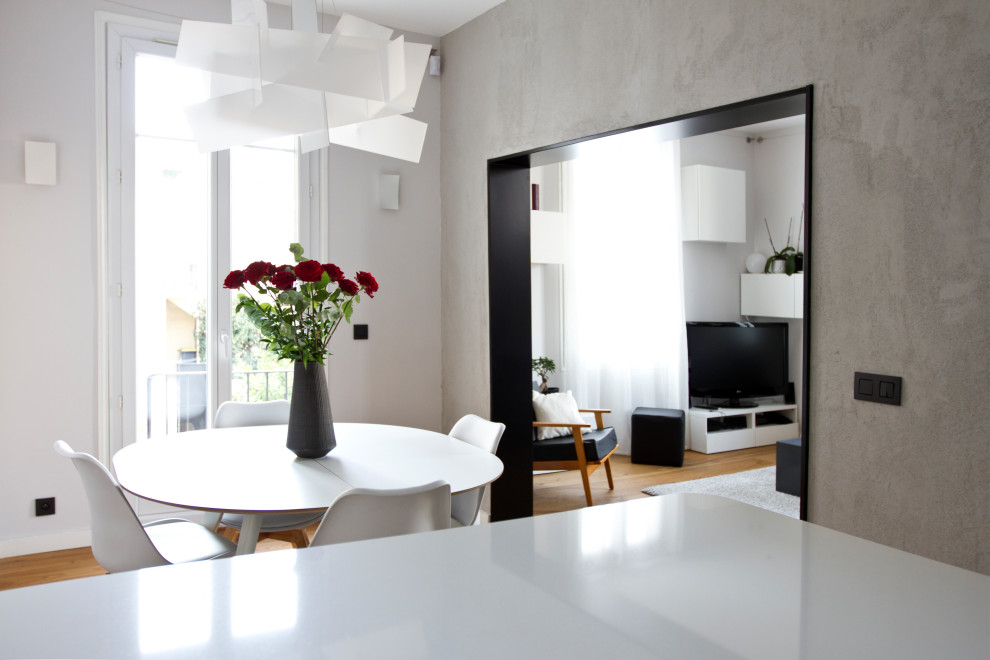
[{"x": 900, "y": 240}]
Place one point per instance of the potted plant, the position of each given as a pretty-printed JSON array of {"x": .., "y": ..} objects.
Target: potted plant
[
  {"x": 298, "y": 309},
  {"x": 543, "y": 366},
  {"x": 788, "y": 260}
]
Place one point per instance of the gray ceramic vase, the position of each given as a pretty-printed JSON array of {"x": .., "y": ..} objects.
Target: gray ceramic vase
[{"x": 310, "y": 421}]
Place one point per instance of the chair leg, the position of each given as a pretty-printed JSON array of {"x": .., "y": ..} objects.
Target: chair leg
[
  {"x": 587, "y": 485},
  {"x": 299, "y": 539},
  {"x": 608, "y": 472},
  {"x": 230, "y": 533},
  {"x": 211, "y": 520},
  {"x": 296, "y": 537}
]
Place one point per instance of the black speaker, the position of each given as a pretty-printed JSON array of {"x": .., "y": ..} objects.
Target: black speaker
[{"x": 789, "y": 397}]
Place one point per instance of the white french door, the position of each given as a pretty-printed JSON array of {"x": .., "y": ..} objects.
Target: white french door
[{"x": 177, "y": 222}]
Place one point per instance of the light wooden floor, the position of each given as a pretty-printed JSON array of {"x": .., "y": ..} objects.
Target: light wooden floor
[
  {"x": 562, "y": 491},
  {"x": 558, "y": 491}
]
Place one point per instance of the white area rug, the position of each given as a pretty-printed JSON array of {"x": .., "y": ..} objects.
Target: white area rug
[{"x": 756, "y": 487}]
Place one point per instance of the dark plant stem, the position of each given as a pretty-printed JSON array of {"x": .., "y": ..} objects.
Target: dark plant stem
[{"x": 770, "y": 236}]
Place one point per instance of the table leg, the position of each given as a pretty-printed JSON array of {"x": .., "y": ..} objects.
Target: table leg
[{"x": 250, "y": 528}]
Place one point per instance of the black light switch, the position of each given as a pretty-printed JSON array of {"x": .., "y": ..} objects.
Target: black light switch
[
  {"x": 865, "y": 385},
  {"x": 877, "y": 388},
  {"x": 360, "y": 331},
  {"x": 890, "y": 390}
]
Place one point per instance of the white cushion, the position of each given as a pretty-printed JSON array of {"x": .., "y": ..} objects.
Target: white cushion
[{"x": 556, "y": 407}]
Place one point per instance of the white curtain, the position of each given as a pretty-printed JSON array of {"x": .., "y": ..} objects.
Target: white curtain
[{"x": 624, "y": 336}]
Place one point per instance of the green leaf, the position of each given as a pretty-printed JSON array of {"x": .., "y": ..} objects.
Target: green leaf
[
  {"x": 347, "y": 309},
  {"x": 297, "y": 252}
]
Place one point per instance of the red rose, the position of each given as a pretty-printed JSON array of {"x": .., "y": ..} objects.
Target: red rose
[
  {"x": 283, "y": 280},
  {"x": 367, "y": 280},
  {"x": 309, "y": 271},
  {"x": 350, "y": 287},
  {"x": 257, "y": 270},
  {"x": 234, "y": 280},
  {"x": 335, "y": 273}
]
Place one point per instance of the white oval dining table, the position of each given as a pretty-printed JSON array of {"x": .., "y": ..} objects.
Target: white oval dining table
[{"x": 248, "y": 470}]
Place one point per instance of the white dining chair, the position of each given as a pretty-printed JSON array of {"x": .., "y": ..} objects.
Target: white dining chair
[
  {"x": 465, "y": 508},
  {"x": 285, "y": 526},
  {"x": 120, "y": 542},
  {"x": 257, "y": 413},
  {"x": 367, "y": 513}
]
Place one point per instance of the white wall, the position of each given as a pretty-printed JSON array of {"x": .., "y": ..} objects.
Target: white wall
[
  {"x": 779, "y": 190},
  {"x": 49, "y": 250},
  {"x": 548, "y": 248},
  {"x": 778, "y": 164},
  {"x": 394, "y": 376}
]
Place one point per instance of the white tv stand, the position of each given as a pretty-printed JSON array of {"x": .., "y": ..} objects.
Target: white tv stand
[{"x": 726, "y": 429}]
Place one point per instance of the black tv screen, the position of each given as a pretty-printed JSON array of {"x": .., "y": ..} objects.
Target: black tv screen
[{"x": 737, "y": 361}]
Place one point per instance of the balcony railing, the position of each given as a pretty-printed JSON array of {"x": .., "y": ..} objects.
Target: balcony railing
[
  {"x": 177, "y": 401},
  {"x": 272, "y": 383}
]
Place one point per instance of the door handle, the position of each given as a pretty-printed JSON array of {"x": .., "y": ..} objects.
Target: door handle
[{"x": 224, "y": 345}]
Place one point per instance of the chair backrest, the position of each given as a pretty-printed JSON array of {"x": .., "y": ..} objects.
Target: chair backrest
[
  {"x": 479, "y": 432},
  {"x": 261, "y": 413},
  {"x": 365, "y": 513},
  {"x": 485, "y": 435},
  {"x": 119, "y": 541}
]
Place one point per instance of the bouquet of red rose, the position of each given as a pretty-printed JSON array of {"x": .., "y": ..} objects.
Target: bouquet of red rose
[{"x": 297, "y": 322}]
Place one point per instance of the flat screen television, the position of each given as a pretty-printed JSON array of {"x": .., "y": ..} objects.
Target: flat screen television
[{"x": 737, "y": 362}]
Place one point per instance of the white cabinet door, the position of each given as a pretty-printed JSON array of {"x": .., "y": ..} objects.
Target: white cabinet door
[
  {"x": 773, "y": 294},
  {"x": 547, "y": 238},
  {"x": 713, "y": 203}
]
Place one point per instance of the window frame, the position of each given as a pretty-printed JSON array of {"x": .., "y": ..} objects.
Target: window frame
[{"x": 116, "y": 36}]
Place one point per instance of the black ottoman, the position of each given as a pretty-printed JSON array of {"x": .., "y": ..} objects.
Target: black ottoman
[
  {"x": 658, "y": 436},
  {"x": 789, "y": 466}
]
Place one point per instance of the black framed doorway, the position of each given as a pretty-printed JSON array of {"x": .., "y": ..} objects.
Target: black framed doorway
[{"x": 510, "y": 305}]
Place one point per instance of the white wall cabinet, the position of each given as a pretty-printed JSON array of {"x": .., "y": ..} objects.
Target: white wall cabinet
[
  {"x": 772, "y": 294},
  {"x": 713, "y": 203},
  {"x": 548, "y": 237}
]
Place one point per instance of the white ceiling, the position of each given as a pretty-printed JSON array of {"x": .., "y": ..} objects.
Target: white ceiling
[
  {"x": 787, "y": 124},
  {"x": 430, "y": 17}
]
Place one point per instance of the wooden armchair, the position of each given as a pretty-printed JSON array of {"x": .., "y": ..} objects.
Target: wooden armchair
[{"x": 585, "y": 449}]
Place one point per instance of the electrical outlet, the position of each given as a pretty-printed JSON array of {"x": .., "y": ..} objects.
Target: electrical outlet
[
  {"x": 360, "y": 331},
  {"x": 44, "y": 506}
]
